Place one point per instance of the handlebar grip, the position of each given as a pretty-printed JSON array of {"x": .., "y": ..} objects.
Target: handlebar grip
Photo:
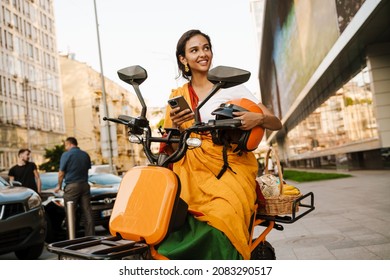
[
  {"x": 124, "y": 118},
  {"x": 225, "y": 123},
  {"x": 114, "y": 120}
]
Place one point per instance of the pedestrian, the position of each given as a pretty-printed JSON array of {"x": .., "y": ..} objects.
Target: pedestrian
[
  {"x": 25, "y": 171},
  {"x": 74, "y": 166},
  {"x": 221, "y": 200}
]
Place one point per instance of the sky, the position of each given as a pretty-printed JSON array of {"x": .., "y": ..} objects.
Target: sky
[{"x": 145, "y": 33}]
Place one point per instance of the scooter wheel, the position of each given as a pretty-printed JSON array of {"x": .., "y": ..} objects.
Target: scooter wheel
[{"x": 263, "y": 251}]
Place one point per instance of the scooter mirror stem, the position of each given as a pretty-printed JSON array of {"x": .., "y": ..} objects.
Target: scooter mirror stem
[
  {"x": 140, "y": 98},
  {"x": 215, "y": 88}
]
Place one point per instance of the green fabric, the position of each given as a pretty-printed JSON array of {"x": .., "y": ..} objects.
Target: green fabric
[{"x": 197, "y": 241}]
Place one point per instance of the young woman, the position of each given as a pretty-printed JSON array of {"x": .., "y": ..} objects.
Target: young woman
[{"x": 220, "y": 207}]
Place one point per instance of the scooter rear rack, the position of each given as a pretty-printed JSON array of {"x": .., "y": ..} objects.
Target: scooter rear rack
[
  {"x": 289, "y": 219},
  {"x": 98, "y": 248}
]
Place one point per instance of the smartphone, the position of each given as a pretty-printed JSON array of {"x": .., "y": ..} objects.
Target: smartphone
[{"x": 179, "y": 101}]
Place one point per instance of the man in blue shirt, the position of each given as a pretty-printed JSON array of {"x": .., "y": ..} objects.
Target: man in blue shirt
[{"x": 74, "y": 166}]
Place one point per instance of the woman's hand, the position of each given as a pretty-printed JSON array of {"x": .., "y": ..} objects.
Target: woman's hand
[
  {"x": 178, "y": 118},
  {"x": 251, "y": 119}
]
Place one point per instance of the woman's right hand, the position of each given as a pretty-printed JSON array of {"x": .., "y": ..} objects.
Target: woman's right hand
[{"x": 178, "y": 118}]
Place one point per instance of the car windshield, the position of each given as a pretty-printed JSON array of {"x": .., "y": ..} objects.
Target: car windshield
[
  {"x": 3, "y": 183},
  {"x": 104, "y": 179}
]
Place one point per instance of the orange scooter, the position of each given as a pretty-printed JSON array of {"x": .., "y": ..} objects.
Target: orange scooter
[{"x": 148, "y": 205}]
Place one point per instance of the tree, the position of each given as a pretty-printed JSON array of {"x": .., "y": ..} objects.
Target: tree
[{"x": 53, "y": 156}]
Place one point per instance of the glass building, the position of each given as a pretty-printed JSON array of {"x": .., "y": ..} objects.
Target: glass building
[{"x": 325, "y": 72}]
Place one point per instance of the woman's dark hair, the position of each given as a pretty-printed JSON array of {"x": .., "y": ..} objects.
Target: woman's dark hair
[{"x": 181, "y": 47}]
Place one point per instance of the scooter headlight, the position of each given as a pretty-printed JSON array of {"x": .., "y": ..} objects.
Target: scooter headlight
[{"x": 194, "y": 142}]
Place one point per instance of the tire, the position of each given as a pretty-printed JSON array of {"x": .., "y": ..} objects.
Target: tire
[
  {"x": 30, "y": 253},
  {"x": 263, "y": 251}
]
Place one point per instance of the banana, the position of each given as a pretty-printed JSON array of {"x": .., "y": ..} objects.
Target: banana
[
  {"x": 290, "y": 190},
  {"x": 288, "y": 187}
]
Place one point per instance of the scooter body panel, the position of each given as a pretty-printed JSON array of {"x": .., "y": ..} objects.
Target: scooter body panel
[{"x": 146, "y": 199}]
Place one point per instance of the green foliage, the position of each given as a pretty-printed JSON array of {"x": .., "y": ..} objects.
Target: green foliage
[
  {"x": 303, "y": 176},
  {"x": 348, "y": 101},
  {"x": 161, "y": 123},
  {"x": 53, "y": 156}
]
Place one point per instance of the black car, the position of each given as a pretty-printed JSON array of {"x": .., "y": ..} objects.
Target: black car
[
  {"x": 104, "y": 188},
  {"x": 22, "y": 222}
]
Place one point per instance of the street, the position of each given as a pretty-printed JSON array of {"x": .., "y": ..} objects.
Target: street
[{"x": 46, "y": 255}]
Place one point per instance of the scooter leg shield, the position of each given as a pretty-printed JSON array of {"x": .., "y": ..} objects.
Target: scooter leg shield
[{"x": 148, "y": 205}]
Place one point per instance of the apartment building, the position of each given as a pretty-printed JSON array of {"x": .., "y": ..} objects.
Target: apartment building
[
  {"x": 84, "y": 109},
  {"x": 31, "y": 111}
]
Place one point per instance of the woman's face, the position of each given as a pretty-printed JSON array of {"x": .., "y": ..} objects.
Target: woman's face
[{"x": 198, "y": 54}]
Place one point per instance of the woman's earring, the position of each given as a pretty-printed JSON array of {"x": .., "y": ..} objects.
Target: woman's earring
[{"x": 186, "y": 69}]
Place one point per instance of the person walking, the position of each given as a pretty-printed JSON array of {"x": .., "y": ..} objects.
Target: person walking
[
  {"x": 74, "y": 166},
  {"x": 25, "y": 172}
]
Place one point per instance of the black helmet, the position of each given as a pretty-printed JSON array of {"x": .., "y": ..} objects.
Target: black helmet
[{"x": 247, "y": 140}]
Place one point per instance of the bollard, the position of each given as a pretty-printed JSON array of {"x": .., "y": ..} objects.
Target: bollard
[{"x": 71, "y": 217}]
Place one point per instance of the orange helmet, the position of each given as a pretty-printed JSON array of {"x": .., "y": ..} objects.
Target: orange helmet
[{"x": 247, "y": 140}]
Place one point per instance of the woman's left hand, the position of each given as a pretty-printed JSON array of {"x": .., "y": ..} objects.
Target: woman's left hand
[{"x": 249, "y": 119}]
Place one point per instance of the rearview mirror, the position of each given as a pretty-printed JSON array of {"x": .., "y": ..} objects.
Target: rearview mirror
[
  {"x": 133, "y": 74},
  {"x": 228, "y": 76}
]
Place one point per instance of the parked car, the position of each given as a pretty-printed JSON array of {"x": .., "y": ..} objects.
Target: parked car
[
  {"x": 104, "y": 188},
  {"x": 22, "y": 221},
  {"x": 102, "y": 168}
]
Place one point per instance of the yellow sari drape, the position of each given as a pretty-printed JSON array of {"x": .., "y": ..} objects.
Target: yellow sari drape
[{"x": 228, "y": 203}]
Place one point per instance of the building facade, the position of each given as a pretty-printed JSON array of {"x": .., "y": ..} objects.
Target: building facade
[
  {"x": 325, "y": 71},
  {"x": 84, "y": 109},
  {"x": 31, "y": 112}
]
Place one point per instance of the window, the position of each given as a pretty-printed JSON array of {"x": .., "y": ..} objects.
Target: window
[
  {"x": 16, "y": 22},
  {"x": 30, "y": 50},
  {"x": 7, "y": 18},
  {"x": 9, "y": 41},
  {"x": 28, "y": 30},
  {"x": 2, "y": 115}
]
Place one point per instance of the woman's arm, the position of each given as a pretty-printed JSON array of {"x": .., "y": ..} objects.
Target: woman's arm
[{"x": 266, "y": 120}]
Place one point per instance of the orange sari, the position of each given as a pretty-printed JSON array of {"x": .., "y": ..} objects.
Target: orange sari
[{"x": 226, "y": 204}]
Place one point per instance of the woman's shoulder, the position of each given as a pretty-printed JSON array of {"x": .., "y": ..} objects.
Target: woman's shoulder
[{"x": 180, "y": 90}]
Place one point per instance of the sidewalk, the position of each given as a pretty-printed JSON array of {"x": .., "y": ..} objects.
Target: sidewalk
[{"x": 351, "y": 221}]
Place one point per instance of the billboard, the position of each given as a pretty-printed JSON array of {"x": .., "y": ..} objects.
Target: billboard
[{"x": 302, "y": 33}]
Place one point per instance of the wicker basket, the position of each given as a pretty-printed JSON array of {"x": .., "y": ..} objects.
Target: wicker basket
[{"x": 277, "y": 205}]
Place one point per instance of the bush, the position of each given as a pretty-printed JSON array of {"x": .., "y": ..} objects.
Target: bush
[{"x": 304, "y": 176}]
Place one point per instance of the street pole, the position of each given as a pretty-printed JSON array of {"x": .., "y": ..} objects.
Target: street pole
[
  {"x": 25, "y": 89},
  {"x": 73, "y": 102},
  {"x": 104, "y": 92}
]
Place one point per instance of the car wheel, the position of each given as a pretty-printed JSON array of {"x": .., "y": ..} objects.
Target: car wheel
[
  {"x": 30, "y": 253},
  {"x": 263, "y": 251}
]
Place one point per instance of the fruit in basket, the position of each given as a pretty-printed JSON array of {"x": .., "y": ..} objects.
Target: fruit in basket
[{"x": 290, "y": 190}]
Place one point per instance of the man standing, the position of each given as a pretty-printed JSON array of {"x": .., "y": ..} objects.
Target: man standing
[
  {"x": 25, "y": 172},
  {"x": 74, "y": 166}
]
